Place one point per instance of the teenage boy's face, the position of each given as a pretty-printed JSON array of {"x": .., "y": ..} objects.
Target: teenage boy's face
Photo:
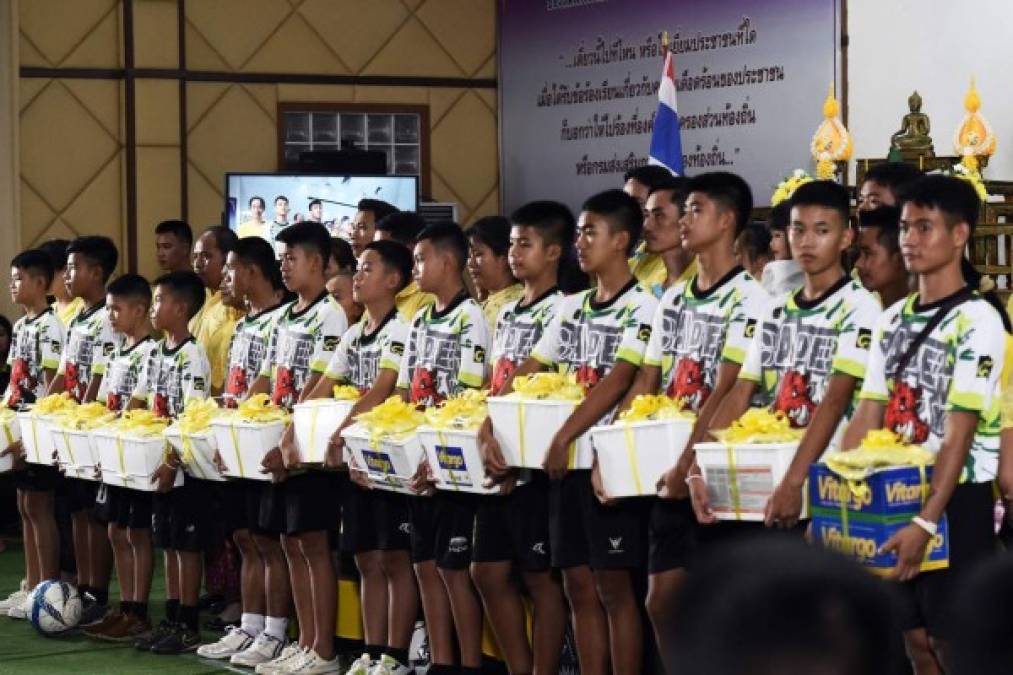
[
  {"x": 661, "y": 222},
  {"x": 872, "y": 195},
  {"x": 372, "y": 280},
  {"x": 529, "y": 255},
  {"x": 281, "y": 210},
  {"x": 26, "y": 287},
  {"x": 172, "y": 253},
  {"x": 701, "y": 224},
  {"x": 596, "y": 244},
  {"x": 483, "y": 265},
  {"x": 208, "y": 261},
  {"x": 299, "y": 267},
  {"x": 257, "y": 209},
  {"x": 124, "y": 313},
  {"x": 233, "y": 285},
  {"x": 927, "y": 243},
  {"x": 363, "y": 226},
  {"x": 877, "y": 267},
  {"x": 316, "y": 213},
  {"x": 80, "y": 277},
  {"x": 817, "y": 237},
  {"x": 779, "y": 245},
  {"x": 637, "y": 190},
  {"x": 431, "y": 265},
  {"x": 164, "y": 309}
]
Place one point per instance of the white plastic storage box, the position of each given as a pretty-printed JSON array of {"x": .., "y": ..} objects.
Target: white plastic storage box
[
  {"x": 633, "y": 457},
  {"x": 10, "y": 433},
  {"x": 389, "y": 464},
  {"x": 75, "y": 451},
  {"x": 524, "y": 429},
  {"x": 200, "y": 448},
  {"x": 130, "y": 461},
  {"x": 242, "y": 446},
  {"x": 749, "y": 472},
  {"x": 455, "y": 461},
  {"x": 36, "y": 438},
  {"x": 314, "y": 422}
]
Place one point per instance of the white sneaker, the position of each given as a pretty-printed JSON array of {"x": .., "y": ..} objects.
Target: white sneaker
[
  {"x": 388, "y": 665},
  {"x": 275, "y": 665},
  {"x": 15, "y": 599},
  {"x": 361, "y": 666},
  {"x": 313, "y": 664},
  {"x": 264, "y": 648},
  {"x": 234, "y": 641}
]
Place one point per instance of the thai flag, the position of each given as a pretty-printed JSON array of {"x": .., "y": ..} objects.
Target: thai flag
[{"x": 666, "y": 146}]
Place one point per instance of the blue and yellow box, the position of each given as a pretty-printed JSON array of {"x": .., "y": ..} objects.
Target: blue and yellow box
[
  {"x": 864, "y": 536},
  {"x": 892, "y": 492}
]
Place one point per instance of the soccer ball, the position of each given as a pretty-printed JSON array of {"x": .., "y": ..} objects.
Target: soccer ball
[{"x": 55, "y": 607}]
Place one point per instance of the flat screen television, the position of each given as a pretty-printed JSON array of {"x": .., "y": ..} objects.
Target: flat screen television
[{"x": 265, "y": 203}]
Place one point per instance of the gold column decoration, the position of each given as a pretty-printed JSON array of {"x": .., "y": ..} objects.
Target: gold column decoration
[
  {"x": 831, "y": 143},
  {"x": 974, "y": 137}
]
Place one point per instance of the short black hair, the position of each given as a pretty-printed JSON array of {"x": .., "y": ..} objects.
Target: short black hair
[
  {"x": 553, "y": 220},
  {"x": 955, "y": 198},
  {"x": 403, "y": 226},
  {"x": 887, "y": 219},
  {"x": 447, "y": 235},
  {"x": 315, "y": 202},
  {"x": 379, "y": 208},
  {"x": 132, "y": 286},
  {"x": 727, "y": 189},
  {"x": 225, "y": 238},
  {"x": 282, "y": 198},
  {"x": 343, "y": 255},
  {"x": 97, "y": 250},
  {"x": 177, "y": 228},
  {"x": 186, "y": 287},
  {"x": 256, "y": 198},
  {"x": 892, "y": 175},
  {"x": 677, "y": 186},
  {"x": 493, "y": 231},
  {"x": 57, "y": 250},
  {"x": 36, "y": 262},
  {"x": 825, "y": 193},
  {"x": 313, "y": 237},
  {"x": 780, "y": 215},
  {"x": 622, "y": 212},
  {"x": 256, "y": 252},
  {"x": 396, "y": 257},
  {"x": 649, "y": 174},
  {"x": 755, "y": 240}
]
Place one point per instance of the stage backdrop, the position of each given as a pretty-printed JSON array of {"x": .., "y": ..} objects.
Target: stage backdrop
[{"x": 579, "y": 81}]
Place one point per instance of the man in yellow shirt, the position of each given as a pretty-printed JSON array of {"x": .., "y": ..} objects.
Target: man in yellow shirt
[
  {"x": 403, "y": 227},
  {"x": 256, "y": 225},
  {"x": 65, "y": 306},
  {"x": 214, "y": 325}
]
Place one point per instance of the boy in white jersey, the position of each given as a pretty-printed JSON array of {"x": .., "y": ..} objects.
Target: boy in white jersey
[
  {"x": 252, "y": 278},
  {"x": 512, "y": 531},
  {"x": 176, "y": 371},
  {"x": 90, "y": 342},
  {"x": 809, "y": 353},
  {"x": 446, "y": 354},
  {"x": 127, "y": 513},
  {"x": 599, "y": 336},
  {"x": 36, "y": 343},
  {"x": 306, "y": 336},
  {"x": 375, "y": 523},
  {"x": 701, "y": 331},
  {"x": 933, "y": 378}
]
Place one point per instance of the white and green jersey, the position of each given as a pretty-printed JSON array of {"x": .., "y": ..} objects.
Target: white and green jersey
[
  {"x": 248, "y": 353},
  {"x": 446, "y": 352},
  {"x": 587, "y": 338},
  {"x": 361, "y": 356},
  {"x": 90, "y": 342},
  {"x": 956, "y": 368},
  {"x": 123, "y": 372},
  {"x": 519, "y": 327},
  {"x": 801, "y": 343},
  {"x": 36, "y": 345},
  {"x": 694, "y": 330},
  {"x": 171, "y": 377},
  {"x": 302, "y": 344}
]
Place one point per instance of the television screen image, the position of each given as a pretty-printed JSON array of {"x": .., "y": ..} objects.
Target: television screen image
[{"x": 262, "y": 204}]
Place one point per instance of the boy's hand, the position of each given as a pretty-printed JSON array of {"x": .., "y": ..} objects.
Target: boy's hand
[
  {"x": 598, "y": 486},
  {"x": 164, "y": 477},
  {"x": 556, "y": 458},
  {"x": 701, "y": 501},
  {"x": 274, "y": 465},
  {"x": 492, "y": 455},
  {"x": 506, "y": 484},
  {"x": 358, "y": 476},
  {"x": 784, "y": 506},
  {"x": 423, "y": 482},
  {"x": 219, "y": 463},
  {"x": 672, "y": 484},
  {"x": 909, "y": 544},
  {"x": 17, "y": 448},
  {"x": 290, "y": 451},
  {"x": 335, "y": 455}
]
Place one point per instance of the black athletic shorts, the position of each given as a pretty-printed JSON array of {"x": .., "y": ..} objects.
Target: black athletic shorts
[
  {"x": 82, "y": 494},
  {"x": 124, "y": 507},
  {"x": 374, "y": 520},
  {"x": 313, "y": 503},
  {"x": 240, "y": 504},
  {"x": 928, "y": 598},
  {"x": 38, "y": 478},
  {"x": 182, "y": 519},
  {"x": 271, "y": 514},
  {"x": 442, "y": 529},
  {"x": 515, "y": 528},
  {"x": 107, "y": 499}
]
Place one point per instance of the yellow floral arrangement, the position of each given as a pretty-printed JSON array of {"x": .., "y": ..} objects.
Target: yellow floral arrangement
[
  {"x": 972, "y": 176},
  {"x": 786, "y": 188},
  {"x": 260, "y": 409},
  {"x": 84, "y": 417},
  {"x": 653, "y": 407},
  {"x": 392, "y": 418},
  {"x": 197, "y": 415},
  {"x": 139, "y": 423},
  {"x": 879, "y": 449},
  {"x": 53, "y": 404},
  {"x": 759, "y": 425},
  {"x": 466, "y": 411},
  {"x": 547, "y": 387}
]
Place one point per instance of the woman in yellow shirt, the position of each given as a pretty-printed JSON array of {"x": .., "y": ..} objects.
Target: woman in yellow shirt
[{"x": 489, "y": 267}]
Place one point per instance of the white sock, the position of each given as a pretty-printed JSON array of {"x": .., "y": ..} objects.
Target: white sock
[
  {"x": 275, "y": 626},
  {"x": 253, "y": 624}
]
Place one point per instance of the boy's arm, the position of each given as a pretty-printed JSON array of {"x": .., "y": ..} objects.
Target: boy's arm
[
  {"x": 647, "y": 381},
  {"x": 91, "y": 393},
  {"x": 311, "y": 383},
  {"x": 868, "y": 416},
  {"x": 48, "y": 376},
  {"x": 136, "y": 403},
  {"x": 261, "y": 385},
  {"x": 56, "y": 385},
  {"x": 733, "y": 405}
]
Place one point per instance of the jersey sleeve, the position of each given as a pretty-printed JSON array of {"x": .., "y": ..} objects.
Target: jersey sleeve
[
  {"x": 980, "y": 343},
  {"x": 546, "y": 351},
  {"x": 637, "y": 329},
  {"x": 105, "y": 345},
  {"x": 196, "y": 375},
  {"x": 474, "y": 336},
  {"x": 654, "y": 353},
  {"x": 143, "y": 388},
  {"x": 743, "y": 317},
  {"x": 854, "y": 337},
  {"x": 752, "y": 366},
  {"x": 51, "y": 343},
  {"x": 404, "y": 377},
  {"x": 267, "y": 367},
  {"x": 337, "y": 366},
  {"x": 874, "y": 386},
  {"x": 393, "y": 349},
  {"x": 325, "y": 342}
]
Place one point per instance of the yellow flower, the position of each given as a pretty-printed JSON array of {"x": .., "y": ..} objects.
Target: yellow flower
[
  {"x": 393, "y": 417},
  {"x": 345, "y": 392},
  {"x": 85, "y": 417},
  {"x": 547, "y": 386},
  {"x": 465, "y": 411},
  {"x": 54, "y": 403},
  {"x": 260, "y": 410},
  {"x": 654, "y": 407},
  {"x": 197, "y": 415},
  {"x": 141, "y": 423},
  {"x": 759, "y": 425}
]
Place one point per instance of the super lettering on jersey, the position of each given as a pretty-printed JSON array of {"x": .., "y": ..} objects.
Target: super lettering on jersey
[
  {"x": 302, "y": 344},
  {"x": 956, "y": 368},
  {"x": 171, "y": 377},
  {"x": 446, "y": 352},
  {"x": 123, "y": 372},
  {"x": 801, "y": 344},
  {"x": 694, "y": 329},
  {"x": 361, "y": 356},
  {"x": 519, "y": 327},
  {"x": 90, "y": 343},
  {"x": 36, "y": 344},
  {"x": 248, "y": 353}
]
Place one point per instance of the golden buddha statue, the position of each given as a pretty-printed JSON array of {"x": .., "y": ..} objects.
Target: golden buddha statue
[{"x": 913, "y": 139}]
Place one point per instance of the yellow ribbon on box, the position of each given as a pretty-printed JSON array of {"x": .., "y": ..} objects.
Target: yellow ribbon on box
[
  {"x": 345, "y": 392},
  {"x": 7, "y": 418},
  {"x": 52, "y": 404},
  {"x": 545, "y": 387},
  {"x": 196, "y": 419},
  {"x": 257, "y": 409},
  {"x": 341, "y": 392},
  {"x": 757, "y": 425},
  {"x": 647, "y": 408},
  {"x": 391, "y": 419},
  {"x": 464, "y": 412}
]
